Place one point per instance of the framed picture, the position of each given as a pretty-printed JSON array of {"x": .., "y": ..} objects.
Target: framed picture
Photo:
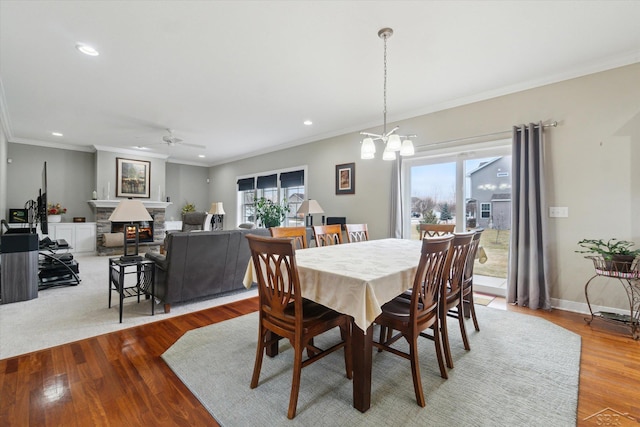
[
  {"x": 346, "y": 178},
  {"x": 133, "y": 178}
]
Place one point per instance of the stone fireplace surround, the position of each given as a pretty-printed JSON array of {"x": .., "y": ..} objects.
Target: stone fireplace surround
[{"x": 104, "y": 208}]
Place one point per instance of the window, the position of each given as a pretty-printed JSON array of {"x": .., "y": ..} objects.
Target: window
[
  {"x": 246, "y": 194},
  {"x": 291, "y": 187},
  {"x": 485, "y": 210}
]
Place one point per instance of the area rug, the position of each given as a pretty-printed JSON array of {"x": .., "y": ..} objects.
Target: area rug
[{"x": 521, "y": 370}]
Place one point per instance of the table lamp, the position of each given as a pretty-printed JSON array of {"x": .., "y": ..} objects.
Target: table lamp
[
  {"x": 310, "y": 207},
  {"x": 130, "y": 211},
  {"x": 218, "y": 215}
]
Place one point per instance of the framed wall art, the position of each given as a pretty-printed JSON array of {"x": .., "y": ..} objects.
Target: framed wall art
[
  {"x": 133, "y": 178},
  {"x": 346, "y": 178}
]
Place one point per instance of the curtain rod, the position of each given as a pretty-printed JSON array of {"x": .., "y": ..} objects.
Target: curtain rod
[{"x": 552, "y": 124}]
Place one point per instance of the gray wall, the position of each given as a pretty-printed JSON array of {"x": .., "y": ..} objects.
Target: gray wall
[
  {"x": 369, "y": 204},
  {"x": 105, "y": 173},
  {"x": 70, "y": 178},
  {"x": 4, "y": 211},
  {"x": 186, "y": 183}
]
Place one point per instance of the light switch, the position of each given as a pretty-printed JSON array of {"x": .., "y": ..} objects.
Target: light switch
[{"x": 558, "y": 212}]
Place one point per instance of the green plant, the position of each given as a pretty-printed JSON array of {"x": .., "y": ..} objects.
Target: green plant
[
  {"x": 609, "y": 249},
  {"x": 271, "y": 214},
  {"x": 188, "y": 207}
]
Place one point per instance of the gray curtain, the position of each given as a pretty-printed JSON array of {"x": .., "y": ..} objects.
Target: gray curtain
[
  {"x": 396, "y": 226},
  {"x": 527, "y": 283}
]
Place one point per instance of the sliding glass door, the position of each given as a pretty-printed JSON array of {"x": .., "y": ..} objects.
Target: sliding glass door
[{"x": 468, "y": 188}]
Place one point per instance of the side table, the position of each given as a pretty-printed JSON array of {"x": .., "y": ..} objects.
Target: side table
[
  {"x": 142, "y": 283},
  {"x": 628, "y": 275}
]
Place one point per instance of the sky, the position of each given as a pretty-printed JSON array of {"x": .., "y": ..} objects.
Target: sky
[{"x": 438, "y": 181}]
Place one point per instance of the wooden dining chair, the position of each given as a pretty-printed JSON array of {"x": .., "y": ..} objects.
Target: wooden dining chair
[
  {"x": 356, "y": 232},
  {"x": 326, "y": 235},
  {"x": 433, "y": 230},
  {"x": 421, "y": 312},
  {"x": 298, "y": 234},
  {"x": 468, "y": 307},
  {"x": 451, "y": 296},
  {"x": 283, "y": 313}
]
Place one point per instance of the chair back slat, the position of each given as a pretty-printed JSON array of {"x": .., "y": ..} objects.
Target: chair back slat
[
  {"x": 471, "y": 257},
  {"x": 357, "y": 232},
  {"x": 298, "y": 234},
  {"x": 278, "y": 283},
  {"x": 326, "y": 235},
  {"x": 434, "y": 257},
  {"x": 434, "y": 230},
  {"x": 460, "y": 247}
]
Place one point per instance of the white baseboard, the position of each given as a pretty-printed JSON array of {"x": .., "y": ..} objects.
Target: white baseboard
[{"x": 582, "y": 307}]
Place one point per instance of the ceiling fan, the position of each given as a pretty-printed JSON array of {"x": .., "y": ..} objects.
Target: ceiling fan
[{"x": 171, "y": 140}]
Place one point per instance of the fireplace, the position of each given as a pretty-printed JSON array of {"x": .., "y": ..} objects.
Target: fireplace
[{"x": 145, "y": 230}]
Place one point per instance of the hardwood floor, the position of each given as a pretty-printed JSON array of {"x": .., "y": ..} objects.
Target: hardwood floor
[{"x": 120, "y": 379}]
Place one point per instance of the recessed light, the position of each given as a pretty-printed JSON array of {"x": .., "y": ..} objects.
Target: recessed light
[
  {"x": 140, "y": 147},
  {"x": 308, "y": 122},
  {"x": 56, "y": 134},
  {"x": 201, "y": 156},
  {"x": 86, "y": 49}
]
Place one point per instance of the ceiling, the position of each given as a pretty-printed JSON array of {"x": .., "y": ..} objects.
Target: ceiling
[{"x": 241, "y": 77}]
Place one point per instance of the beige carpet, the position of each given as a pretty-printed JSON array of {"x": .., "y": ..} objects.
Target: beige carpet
[
  {"x": 69, "y": 313},
  {"x": 521, "y": 371}
]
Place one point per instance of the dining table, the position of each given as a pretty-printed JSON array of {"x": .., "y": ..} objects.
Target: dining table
[{"x": 356, "y": 279}]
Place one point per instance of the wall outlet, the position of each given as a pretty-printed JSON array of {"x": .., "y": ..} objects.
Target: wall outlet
[{"x": 558, "y": 212}]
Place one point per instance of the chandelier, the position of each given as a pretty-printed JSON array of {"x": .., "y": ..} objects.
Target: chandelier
[{"x": 393, "y": 142}]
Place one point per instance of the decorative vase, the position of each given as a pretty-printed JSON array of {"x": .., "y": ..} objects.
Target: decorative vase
[{"x": 54, "y": 218}]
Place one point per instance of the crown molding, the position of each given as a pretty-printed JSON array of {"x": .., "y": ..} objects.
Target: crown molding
[{"x": 131, "y": 152}]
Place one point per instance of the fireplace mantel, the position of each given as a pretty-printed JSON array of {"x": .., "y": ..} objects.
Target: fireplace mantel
[{"x": 113, "y": 203}]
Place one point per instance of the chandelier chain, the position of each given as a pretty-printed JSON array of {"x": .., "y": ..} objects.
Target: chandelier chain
[{"x": 384, "y": 112}]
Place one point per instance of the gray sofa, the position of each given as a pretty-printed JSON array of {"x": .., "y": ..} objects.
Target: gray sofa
[{"x": 201, "y": 264}]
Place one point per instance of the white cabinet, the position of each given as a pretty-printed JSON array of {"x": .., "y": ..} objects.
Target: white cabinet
[{"x": 81, "y": 236}]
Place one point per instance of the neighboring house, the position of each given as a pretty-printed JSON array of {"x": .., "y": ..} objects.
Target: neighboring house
[{"x": 490, "y": 201}]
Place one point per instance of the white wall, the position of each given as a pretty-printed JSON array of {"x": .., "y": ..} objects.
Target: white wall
[{"x": 591, "y": 161}]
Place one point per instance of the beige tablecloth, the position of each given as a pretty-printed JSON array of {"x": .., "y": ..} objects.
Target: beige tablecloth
[{"x": 355, "y": 278}]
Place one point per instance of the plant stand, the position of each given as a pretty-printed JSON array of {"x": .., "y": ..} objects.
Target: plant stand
[{"x": 629, "y": 277}]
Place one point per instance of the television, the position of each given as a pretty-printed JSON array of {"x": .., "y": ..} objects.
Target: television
[
  {"x": 41, "y": 213},
  {"x": 19, "y": 216}
]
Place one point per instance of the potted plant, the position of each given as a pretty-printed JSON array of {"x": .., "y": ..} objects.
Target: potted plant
[
  {"x": 270, "y": 214},
  {"x": 188, "y": 207},
  {"x": 617, "y": 254},
  {"x": 55, "y": 212}
]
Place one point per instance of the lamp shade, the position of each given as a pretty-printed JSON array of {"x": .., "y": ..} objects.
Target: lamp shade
[
  {"x": 388, "y": 155},
  {"x": 310, "y": 207},
  {"x": 394, "y": 144},
  {"x": 216, "y": 208},
  {"x": 130, "y": 210},
  {"x": 407, "y": 148}
]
